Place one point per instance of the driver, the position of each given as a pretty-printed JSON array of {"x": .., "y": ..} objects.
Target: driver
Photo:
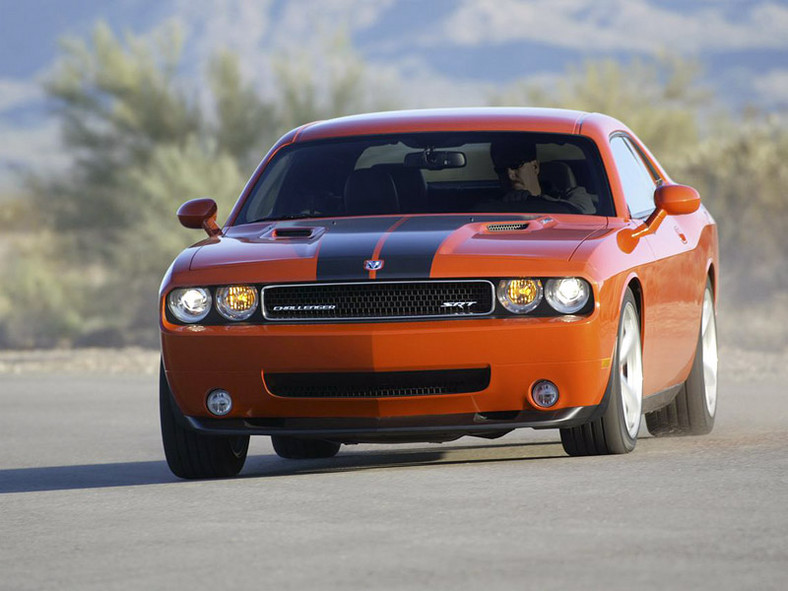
[{"x": 518, "y": 170}]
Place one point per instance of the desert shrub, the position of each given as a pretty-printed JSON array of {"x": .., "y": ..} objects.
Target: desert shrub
[
  {"x": 88, "y": 246},
  {"x": 145, "y": 140}
]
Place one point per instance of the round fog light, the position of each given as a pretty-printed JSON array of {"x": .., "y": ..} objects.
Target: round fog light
[
  {"x": 219, "y": 402},
  {"x": 545, "y": 393}
]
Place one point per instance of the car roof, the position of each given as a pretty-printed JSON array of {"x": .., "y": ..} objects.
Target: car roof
[{"x": 460, "y": 119}]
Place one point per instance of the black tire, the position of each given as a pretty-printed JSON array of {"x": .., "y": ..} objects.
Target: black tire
[
  {"x": 609, "y": 434},
  {"x": 294, "y": 448},
  {"x": 190, "y": 454},
  {"x": 690, "y": 412}
]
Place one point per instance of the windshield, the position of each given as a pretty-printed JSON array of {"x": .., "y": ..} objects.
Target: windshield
[{"x": 450, "y": 172}]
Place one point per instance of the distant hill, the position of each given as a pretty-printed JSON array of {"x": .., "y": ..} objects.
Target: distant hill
[{"x": 441, "y": 52}]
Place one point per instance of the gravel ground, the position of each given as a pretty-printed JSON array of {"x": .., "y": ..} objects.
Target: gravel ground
[{"x": 130, "y": 361}]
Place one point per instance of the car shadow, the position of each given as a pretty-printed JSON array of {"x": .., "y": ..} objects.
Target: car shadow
[
  {"x": 50, "y": 478},
  {"x": 122, "y": 474},
  {"x": 350, "y": 461}
]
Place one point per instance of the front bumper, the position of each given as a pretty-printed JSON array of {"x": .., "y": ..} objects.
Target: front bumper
[{"x": 574, "y": 353}]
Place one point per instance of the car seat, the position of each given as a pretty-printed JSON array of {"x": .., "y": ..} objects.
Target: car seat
[
  {"x": 370, "y": 192},
  {"x": 556, "y": 178}
]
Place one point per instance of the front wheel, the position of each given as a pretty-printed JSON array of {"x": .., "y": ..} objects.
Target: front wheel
[
  {"x": 615, "y": 432},
  {"x": 192, "y": 455}
]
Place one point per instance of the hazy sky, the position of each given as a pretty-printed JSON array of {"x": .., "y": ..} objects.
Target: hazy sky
[{"x": 434, "y": 53}]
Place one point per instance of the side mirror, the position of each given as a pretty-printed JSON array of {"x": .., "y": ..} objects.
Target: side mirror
[
  {"x": 677, "y": 199},
  {"x": 200, "y": 213},
  {"x": 670, "y": 200}
]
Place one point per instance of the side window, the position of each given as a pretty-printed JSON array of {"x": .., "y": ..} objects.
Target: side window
[{"x": 637, "y": 182}]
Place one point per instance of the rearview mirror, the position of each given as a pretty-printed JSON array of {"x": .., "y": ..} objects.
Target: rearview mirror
[
  {"x": 434, "y": 160},
  {"x": 676, "y": 199},
  {"x": 200, "y": 213}
]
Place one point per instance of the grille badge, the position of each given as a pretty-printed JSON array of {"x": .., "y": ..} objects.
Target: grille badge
[
  {"x": 373, "y": 265},
  {"x": 460, "y": 305}
]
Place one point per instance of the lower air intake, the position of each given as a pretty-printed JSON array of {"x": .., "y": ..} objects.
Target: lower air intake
[{"x": 377, "y": 384}]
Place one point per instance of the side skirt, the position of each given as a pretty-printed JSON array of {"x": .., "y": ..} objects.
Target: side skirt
[{"x": 660, "y": 399}]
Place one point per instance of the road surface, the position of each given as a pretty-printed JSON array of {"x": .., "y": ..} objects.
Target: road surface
[{"x": 87, "y": 502}]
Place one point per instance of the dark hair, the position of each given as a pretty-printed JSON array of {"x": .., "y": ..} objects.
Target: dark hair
[{"x": 511, "y": 154}]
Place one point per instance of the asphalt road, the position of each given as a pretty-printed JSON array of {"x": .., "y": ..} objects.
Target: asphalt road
[{"x": 87, "y": 502}]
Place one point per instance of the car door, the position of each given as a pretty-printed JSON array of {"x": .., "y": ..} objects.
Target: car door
[{"x": 670, "y": 311}]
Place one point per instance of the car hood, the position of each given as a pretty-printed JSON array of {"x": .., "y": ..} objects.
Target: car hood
[{"x": 406, "y": 247}]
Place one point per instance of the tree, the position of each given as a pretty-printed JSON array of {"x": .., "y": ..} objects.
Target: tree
[
  {"x": 115, "y": 103},
  {"x": 142, "y": 144},
  {"x": 246, "y": 124},
  {"x": 737, "y": 164},
  {"x": 660, "y": 101},
  {"x": 99, "y": 237}
]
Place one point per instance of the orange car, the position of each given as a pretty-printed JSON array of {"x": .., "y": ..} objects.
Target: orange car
[{"x": 425, "y": 275}]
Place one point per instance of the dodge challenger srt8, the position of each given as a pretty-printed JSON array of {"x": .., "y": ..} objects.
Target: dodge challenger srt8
[{"x": 418, "y": 276}]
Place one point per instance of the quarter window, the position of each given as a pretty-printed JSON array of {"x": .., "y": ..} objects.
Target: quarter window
[{"x": 637, "y": 182}]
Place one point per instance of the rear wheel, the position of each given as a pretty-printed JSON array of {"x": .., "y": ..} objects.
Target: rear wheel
[
  {"x": 192, "y": 455},
  {"x": 615, "y": 432},
  {"x": 692, "y": 412},
  {"x": 294, "y": 448}
]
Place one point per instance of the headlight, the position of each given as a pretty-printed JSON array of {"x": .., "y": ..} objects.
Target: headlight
[
  {"x": 519, "y": 295},
  {"x": 236, "y": 302},
  {"x": 189, "y": 304},
  {"x": 567, "y": 295}
]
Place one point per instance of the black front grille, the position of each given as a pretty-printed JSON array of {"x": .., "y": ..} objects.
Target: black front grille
[
  {"x": 378, "y": 300},
  {"x": 377, "y": 384}
]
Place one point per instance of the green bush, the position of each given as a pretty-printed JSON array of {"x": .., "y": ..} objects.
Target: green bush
[{"x": 88, "y": 248}]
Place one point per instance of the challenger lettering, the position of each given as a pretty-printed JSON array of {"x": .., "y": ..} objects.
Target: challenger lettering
[{"x": 306, "y": 308}]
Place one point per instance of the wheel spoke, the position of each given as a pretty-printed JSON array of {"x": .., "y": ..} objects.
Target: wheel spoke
[
  {"x": 708, "y": 312},
  {"x": 710, "y": 358},
  {"x": 626, "y": 397},
  {"x": 630, "y": 370},
  {"x": 633, "y": 392},
  {"x": 631, "y": 408},
  {"x": 626, "y": 345}
]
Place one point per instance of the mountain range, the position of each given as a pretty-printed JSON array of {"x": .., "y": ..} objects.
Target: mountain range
[{"x": 435, "y": 52}]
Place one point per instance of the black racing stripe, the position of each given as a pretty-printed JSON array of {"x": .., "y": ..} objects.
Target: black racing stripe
[
  {"x": 409, "y": 250},
  {"x": 347, "y": 243}
]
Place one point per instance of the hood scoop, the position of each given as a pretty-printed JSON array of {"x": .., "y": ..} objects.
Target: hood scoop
[
  {"x": 511, "y": 227},
  {"x": 292, "y": 233},
  {"x": 537, "y": 222}
]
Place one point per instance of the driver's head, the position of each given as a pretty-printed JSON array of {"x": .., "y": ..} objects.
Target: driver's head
[
  {"x": 516, "y": 165},
  {"x": 511, "y": 154}
]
